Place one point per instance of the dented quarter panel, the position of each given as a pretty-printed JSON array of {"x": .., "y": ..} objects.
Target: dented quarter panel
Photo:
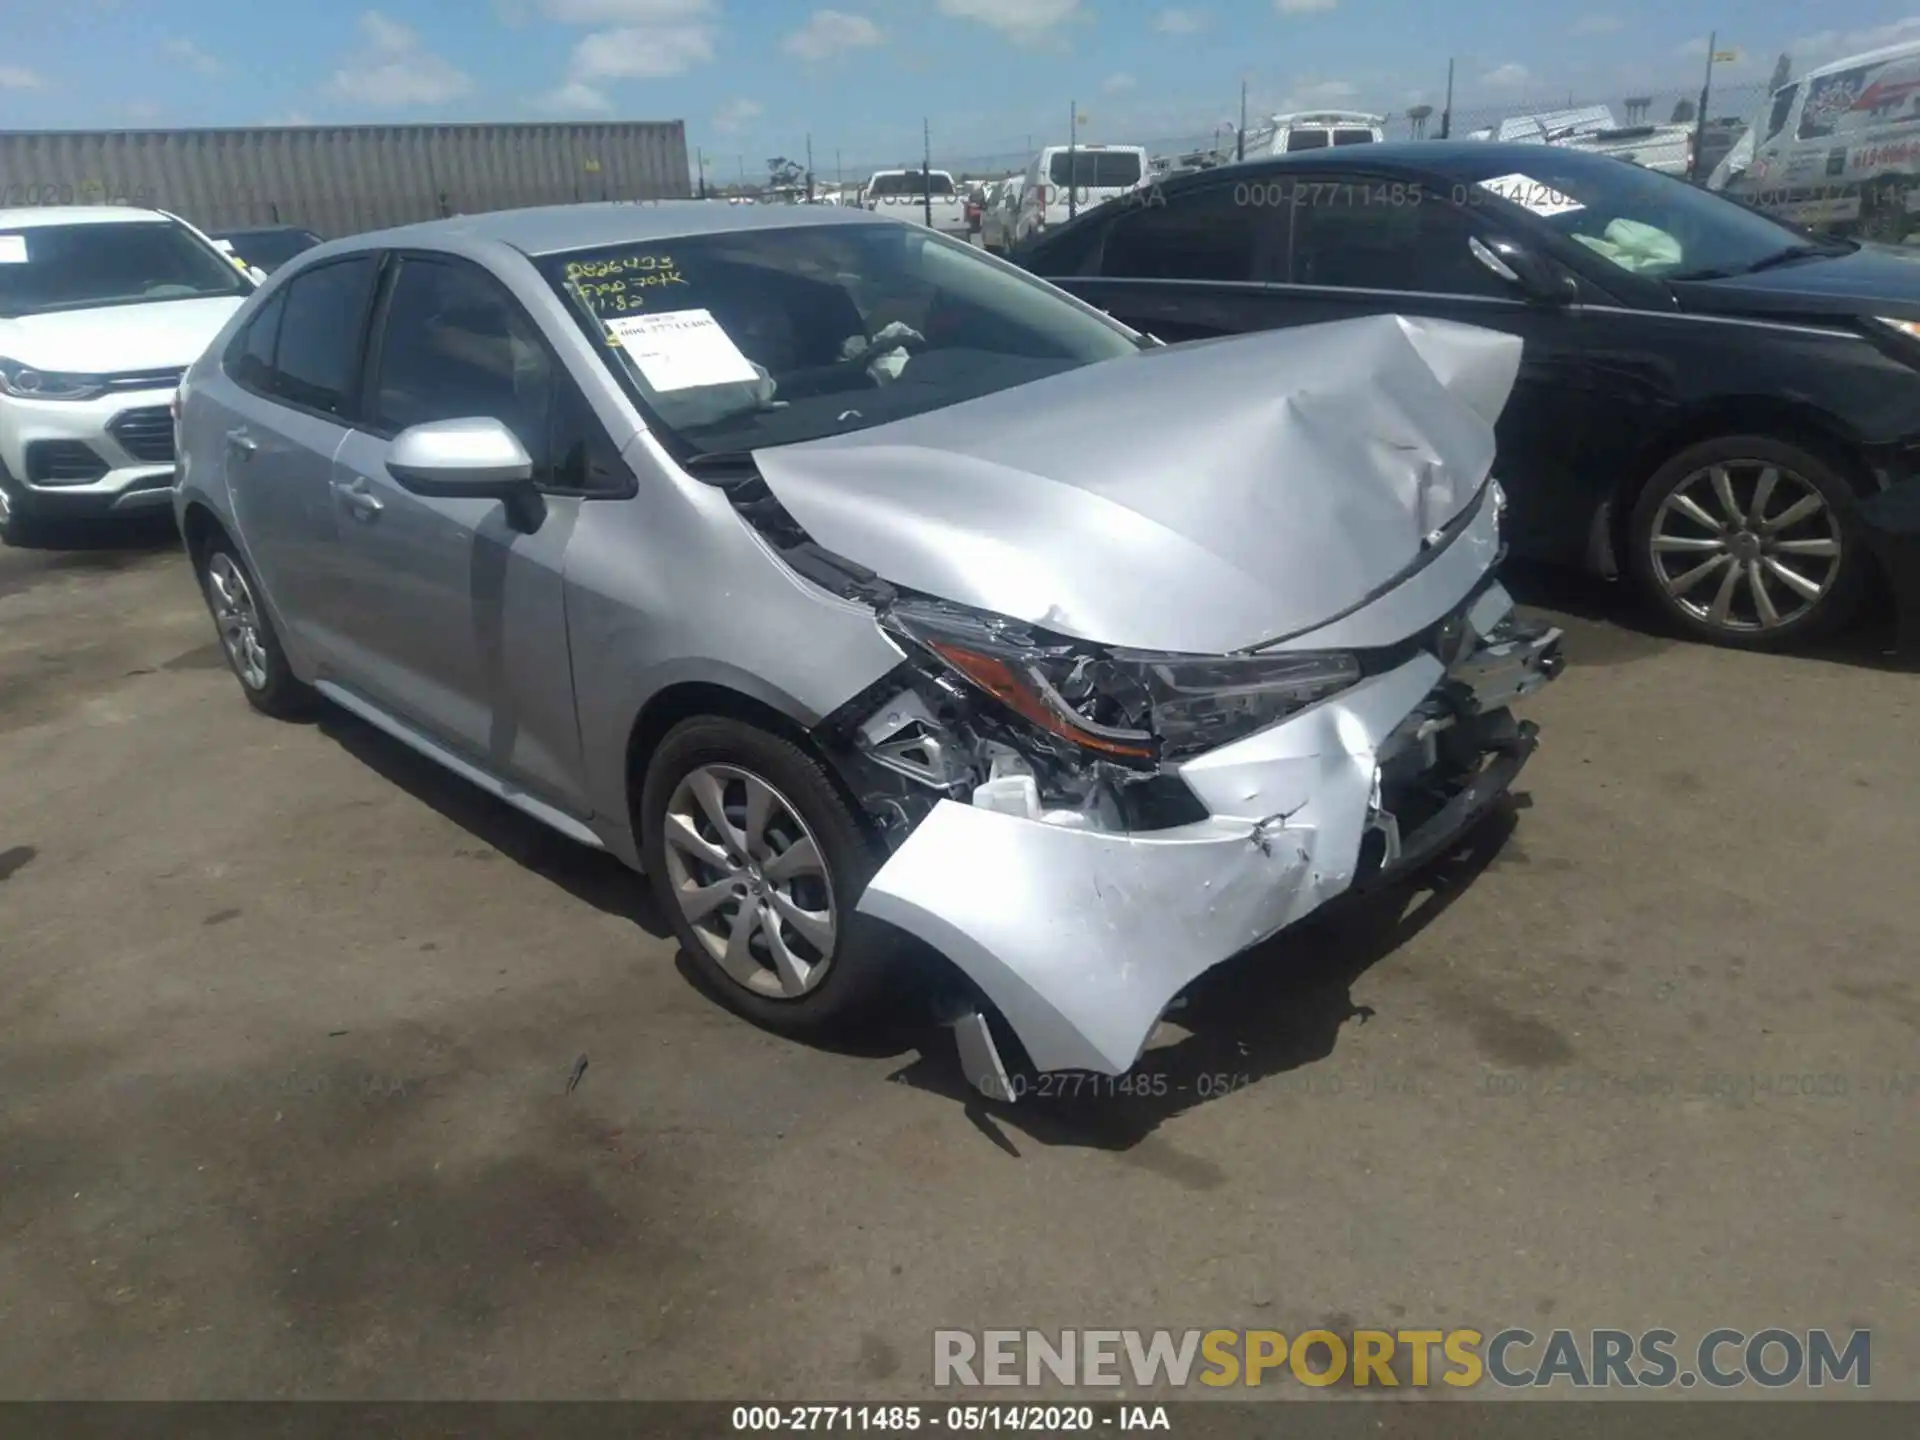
[
  {"x": 1204, "y": 498},
  {"x": 1080, "y": 938}
]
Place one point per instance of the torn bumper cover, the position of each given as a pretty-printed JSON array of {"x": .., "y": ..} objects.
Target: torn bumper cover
[{"x": 1080, "y": 937}]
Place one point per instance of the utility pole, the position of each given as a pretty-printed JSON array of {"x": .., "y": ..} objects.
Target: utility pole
[
  {"x": 809, "y": 167},
  {"x": 743, "y": 175},
  {"x": 926, "y": 171},
  {"x": 1446, "y": 115},
  {"x": 701, "y": 160},
  {"x": 1240, "y": 146},
  {"x": 1700, "y": 120},
  {"x": 839, "y": 175},
  {"x": 1073, "y": 162}
]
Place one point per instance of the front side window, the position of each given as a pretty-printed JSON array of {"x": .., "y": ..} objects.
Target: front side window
[
  {"x": 1202, "y": 234},
  {"x": 47, "y": 268},
  {"x": 736, "y": 340},
  {"x": 455, "y": 347},
  {"x": 1355, "y": 233},
  {"x": 318, "y": 354}
]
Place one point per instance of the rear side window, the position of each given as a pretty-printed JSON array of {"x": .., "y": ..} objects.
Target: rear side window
[
  {"x": 250, "y": 357},
  {"x": 317, "y": 359},
  {"x": 1202, "y": 234}
]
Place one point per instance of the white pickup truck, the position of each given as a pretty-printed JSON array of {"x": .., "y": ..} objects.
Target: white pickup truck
[
  {"x": 921, "y": 196},
  {"x": 1666, "y": 148}
]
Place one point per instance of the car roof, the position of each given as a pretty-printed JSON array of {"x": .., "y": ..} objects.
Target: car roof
[
  {"x": 556, "y": 229},
  {"x": 35, "y": 216},
  {"x": 1446, "y": 158}
]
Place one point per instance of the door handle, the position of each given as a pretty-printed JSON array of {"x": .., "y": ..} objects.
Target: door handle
[
  {"x": 359, "y": 499},
  {"x": 242, "y": 444}
]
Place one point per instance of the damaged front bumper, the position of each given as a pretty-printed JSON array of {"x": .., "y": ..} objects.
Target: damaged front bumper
[{"x": 1080, "y": 936}]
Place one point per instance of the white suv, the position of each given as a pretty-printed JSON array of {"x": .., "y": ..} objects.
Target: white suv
[{"x": 101, "y": 309}]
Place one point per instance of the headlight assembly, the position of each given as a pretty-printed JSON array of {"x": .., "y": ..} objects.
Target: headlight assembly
[
  {"x": 26, "y": 383},
  {"x": 1131, "y": 706}
]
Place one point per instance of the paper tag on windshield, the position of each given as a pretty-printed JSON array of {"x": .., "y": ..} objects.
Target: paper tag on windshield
[
  {"x": 682, "y": 349},
  {"x": 1531, "y": 194},
  {"x": 13, "y": 249}
]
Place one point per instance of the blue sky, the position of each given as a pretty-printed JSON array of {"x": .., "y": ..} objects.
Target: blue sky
[{"x": 752, "y": 78}]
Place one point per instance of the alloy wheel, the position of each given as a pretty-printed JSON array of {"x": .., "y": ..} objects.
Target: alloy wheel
[
  {"x": 751, "y": 880},
  {"x": 6, "y": 508},
  {"x": 1746, "y": 546},
  {"x": 238, "y": 618}
]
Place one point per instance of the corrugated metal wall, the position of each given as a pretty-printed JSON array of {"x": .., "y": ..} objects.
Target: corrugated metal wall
[{"x": 338, "y": 180}]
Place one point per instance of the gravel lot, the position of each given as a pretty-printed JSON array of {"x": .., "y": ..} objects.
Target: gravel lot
[{"x": 286, "y": 1020}]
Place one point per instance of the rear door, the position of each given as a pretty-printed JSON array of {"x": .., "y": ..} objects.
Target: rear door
[
  {"x": 457, "y": 621},
  {"x": 294, "y": 370}
]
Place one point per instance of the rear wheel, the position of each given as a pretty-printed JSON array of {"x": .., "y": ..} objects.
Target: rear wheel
[
  {"x": 758, "y": 861},
  {"x": 247, "y": 635},
  {"x": 1749, "y": 542}
]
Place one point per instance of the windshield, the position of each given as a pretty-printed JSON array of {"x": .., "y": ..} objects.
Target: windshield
[
  {"x": 1306, "y": 140},
  {"x": 910, "y": 182},
  {"x": 80, "y": 267},
  {"x": 766, "y": 337},
  {"x": 1353, "y": 137},
  {"x": 269, "y": 249},
  {"x": 1638, "y": 219},
  {"x": 1095, "y": 169}
]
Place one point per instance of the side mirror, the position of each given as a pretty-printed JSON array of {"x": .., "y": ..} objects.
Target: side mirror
[
  {"x": 1520, "y": 267},
  {"x": 476, "y": 459}
]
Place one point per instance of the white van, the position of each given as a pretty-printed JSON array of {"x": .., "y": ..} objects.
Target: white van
[
  {"x": 1838, "y": 149},
  {"x": 1314, "y": 130},
  {"x": 1063, "y": 181}
]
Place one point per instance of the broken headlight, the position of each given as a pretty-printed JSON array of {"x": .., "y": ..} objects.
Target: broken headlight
[{"x": 1137, "y": 707}]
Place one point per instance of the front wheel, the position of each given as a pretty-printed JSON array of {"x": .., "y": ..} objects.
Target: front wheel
[
  {"x": 758, "y": 861},
  {"x": 1749, "y": 542}
]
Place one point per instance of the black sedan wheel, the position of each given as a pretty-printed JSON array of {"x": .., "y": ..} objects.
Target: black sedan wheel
[{"x": 1749, "y": 542}]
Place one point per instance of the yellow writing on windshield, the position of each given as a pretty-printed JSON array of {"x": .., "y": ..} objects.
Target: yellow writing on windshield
[{"x": 644, "y": 266}]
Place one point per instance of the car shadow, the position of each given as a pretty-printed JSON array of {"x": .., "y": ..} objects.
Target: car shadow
[
  {"x": 99, "y": 547},
  {"x": 1279, "y": 1007},
  {"x": 592, "y": 876},
  {"x": 1604, "y": 626}
]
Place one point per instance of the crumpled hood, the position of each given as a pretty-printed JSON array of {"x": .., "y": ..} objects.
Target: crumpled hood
[
  {"x": 116, "y": 339},
  {"x": 1202, "y": 498}
]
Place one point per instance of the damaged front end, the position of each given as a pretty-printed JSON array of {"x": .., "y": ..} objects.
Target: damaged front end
[{"x": 1082, "y": 830}]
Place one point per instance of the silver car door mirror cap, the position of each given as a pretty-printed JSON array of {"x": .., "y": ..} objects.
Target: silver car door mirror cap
[{"x": 477, "y": 457}]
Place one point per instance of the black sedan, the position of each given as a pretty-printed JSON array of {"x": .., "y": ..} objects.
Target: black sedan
[
  {"x": 1710, "y": 401},
  {"x": 271, "y": 246}
]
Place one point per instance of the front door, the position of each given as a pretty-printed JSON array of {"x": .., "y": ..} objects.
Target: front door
[{"x": 456, "y": 622}]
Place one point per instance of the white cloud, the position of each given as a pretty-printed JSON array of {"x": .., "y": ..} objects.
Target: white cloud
[
  {"x": 394, "y": 70},
  {"x": 1303, "y": 7},
  {"x": 576, "y": 97},
  {"x": 141, "y": 112},
  {"x": 831, "y": 32},
  {"x": 18, "y": 77},
  {"x": 1828, "y": 45},
  {"x": 736, "y": 115},
  {"x": 1598, "y": 23},
  {"x": 625, "y": 12},
  {"x": 1117, "y": 83},
  {"x": 1510, "y": 76},
  {"x": 292, "y": 120},
  {"x": 1179, "y": 22},
  {"x": 641, "y": 52},
  {"x": 1314, "y": 94},
  {"x": 192, "y": 56},
  {"x": 1024, "y": 20}
]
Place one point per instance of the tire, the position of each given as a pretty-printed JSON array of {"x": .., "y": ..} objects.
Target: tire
[
  {"x": 246, "y": 634},
  {"x": 1683, "y": 539},
  {"x": 848, "y": 974},
  {"x": 16, "y": 526}
]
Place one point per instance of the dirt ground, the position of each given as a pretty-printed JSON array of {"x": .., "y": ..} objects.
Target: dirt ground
[{"x": 287, "y": 1016}]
